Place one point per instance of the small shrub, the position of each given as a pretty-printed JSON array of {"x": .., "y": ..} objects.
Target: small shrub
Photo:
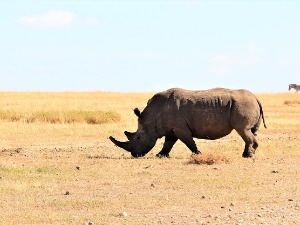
[{"x": 208, "y": 159}]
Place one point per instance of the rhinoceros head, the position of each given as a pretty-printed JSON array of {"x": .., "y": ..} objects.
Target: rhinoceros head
[{"x": 140, "y": 142}]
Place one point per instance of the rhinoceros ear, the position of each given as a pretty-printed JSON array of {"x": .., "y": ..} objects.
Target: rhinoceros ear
[{"x": 137, "y": 112}]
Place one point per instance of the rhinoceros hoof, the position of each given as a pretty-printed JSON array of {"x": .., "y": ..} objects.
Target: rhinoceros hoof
[
  {"x": 159, "y": 155},
  {"x": 248, "y": 154},
  {"x": 196, "y": 152}
]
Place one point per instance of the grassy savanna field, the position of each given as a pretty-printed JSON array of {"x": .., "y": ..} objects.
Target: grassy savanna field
[{"x": 58, "y": 166}]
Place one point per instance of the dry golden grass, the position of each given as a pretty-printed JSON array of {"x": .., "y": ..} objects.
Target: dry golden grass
[
  {"x": 70, "y": 173},
  {"x": 293, "y": 102},
  {"x": 75, "y": 116}
]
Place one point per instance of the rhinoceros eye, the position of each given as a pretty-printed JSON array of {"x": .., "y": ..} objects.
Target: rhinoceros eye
[{"x": 138, "y": 138}]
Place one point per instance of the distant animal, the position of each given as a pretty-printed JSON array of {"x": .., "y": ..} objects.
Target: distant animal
[
  {"x": 184, "y": 114},
  {"x": 294, "y": 86}
]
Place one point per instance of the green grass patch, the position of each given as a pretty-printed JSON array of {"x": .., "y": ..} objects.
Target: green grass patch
[{"x": 60, "y": 117}]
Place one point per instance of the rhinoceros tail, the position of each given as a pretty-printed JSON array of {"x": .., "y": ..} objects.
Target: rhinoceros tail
[{"x": 261, "y": 112}]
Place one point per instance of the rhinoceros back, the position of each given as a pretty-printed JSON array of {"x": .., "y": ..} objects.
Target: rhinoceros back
[{"x": 206, "y": 114}]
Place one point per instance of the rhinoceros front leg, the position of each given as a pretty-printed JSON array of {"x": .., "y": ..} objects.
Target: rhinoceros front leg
[
  {"x": 169, "y": 142},
  {"x": 186, "y": 137}
]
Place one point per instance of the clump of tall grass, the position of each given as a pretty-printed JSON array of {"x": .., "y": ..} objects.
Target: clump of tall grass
[
  {"x": 291, "y": 102},
  {"x": 208, "y": 159},
  {"x": 60, "y": 117}
]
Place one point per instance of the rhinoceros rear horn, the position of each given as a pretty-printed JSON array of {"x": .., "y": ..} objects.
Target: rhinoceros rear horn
[
  {"x": 137, "y": 112},
  {"x": 129, "y": 135},
  {"x": 124, "y": 145}
]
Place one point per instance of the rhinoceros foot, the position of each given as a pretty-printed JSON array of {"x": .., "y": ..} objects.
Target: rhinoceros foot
[
  {"x": 248, "y": 154},
  {"x": 197, "y": 152},
  {"x": 162, "y": 155},
  {"x": 137, "y": 155}
]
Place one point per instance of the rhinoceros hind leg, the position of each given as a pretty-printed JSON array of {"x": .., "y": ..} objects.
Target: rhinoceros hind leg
[
  {"x": 250, "y": 143},
  {"x": 255, "y": 144},
  {"x": 169, "y": 142},
  {"x": 186, "y": 137}
]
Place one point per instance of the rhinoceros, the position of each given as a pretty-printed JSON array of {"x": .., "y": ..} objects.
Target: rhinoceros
[{"x": 184, "y": 115}]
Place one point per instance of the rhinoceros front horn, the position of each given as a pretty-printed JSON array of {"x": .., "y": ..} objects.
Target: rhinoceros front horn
[{"x": 124, "y": 145}]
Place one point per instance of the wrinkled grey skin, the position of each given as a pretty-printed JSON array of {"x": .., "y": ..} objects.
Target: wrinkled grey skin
[{"x": 183, "y": 114}]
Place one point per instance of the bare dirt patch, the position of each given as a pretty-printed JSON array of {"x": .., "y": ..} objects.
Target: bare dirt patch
[{"x": 11, "y": 152}]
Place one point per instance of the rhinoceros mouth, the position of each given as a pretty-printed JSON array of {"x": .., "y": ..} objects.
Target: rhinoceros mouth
[{"x": 136, "y": 151}]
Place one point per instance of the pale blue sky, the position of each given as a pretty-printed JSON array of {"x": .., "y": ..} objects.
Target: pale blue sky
[{"x": 149, "y": 45}]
